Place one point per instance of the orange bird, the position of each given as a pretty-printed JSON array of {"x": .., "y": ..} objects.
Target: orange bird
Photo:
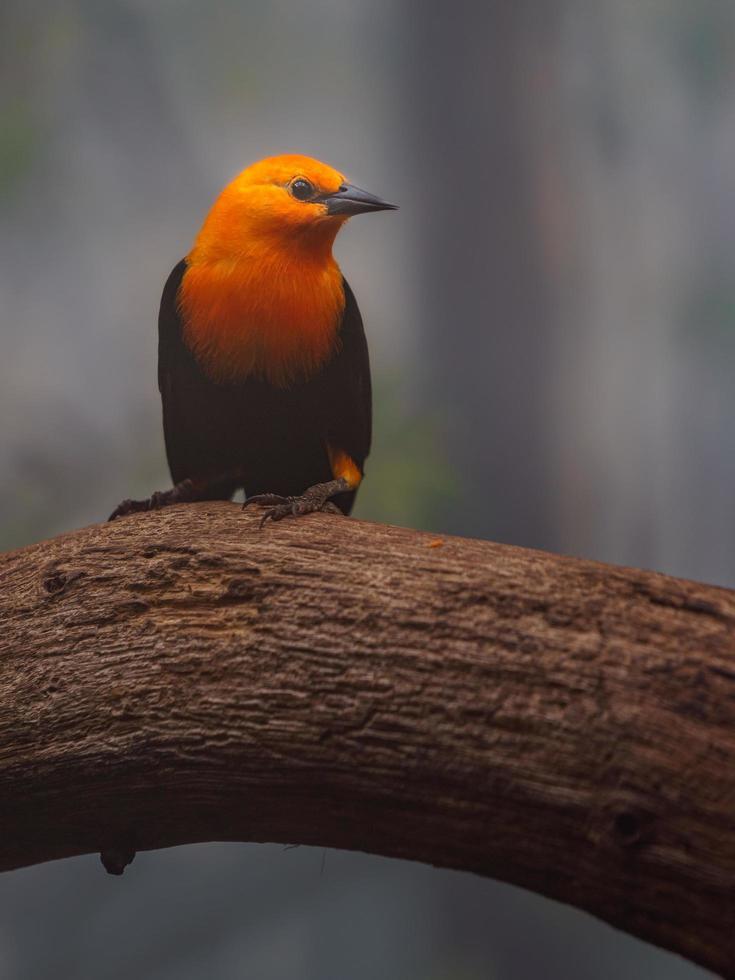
[{"x": 262, "y": 360}]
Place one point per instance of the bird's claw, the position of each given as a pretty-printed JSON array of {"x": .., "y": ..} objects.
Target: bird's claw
[
  {"x": 154, "y": 502},
  {"x": 280, "y": 507},
  {"x": 129, "y": 507},
  {"x": 266, "y": 499}
]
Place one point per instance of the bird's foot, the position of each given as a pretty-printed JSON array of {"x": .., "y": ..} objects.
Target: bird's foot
[
  {"x": 126, "y": 507},
  {"x": 181, "y": 493},
  {"x": 316, "y": 498}
]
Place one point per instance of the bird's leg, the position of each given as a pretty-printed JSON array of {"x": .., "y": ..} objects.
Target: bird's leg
[
  {"x": 316, "y": 498},
  {"x": 183, "y": 492},
  {"x": 220, "y": 487},
  {"x": 347, "y": 477}
]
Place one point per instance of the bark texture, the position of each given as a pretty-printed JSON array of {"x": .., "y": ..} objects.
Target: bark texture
[{"x": 564, "y": 725}]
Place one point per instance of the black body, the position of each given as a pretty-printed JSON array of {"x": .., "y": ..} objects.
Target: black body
[{"x": 255, "y": 435}]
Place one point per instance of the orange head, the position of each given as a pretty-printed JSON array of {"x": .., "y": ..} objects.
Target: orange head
[
  {"x": 262, "y": 293},
  {"x": 289, "y": 202}
]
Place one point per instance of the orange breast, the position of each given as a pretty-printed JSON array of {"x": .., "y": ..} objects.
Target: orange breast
[{"x": 268, "y": 315}]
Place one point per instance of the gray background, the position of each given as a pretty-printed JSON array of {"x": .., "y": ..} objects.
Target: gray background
[{"x": 552, "y": 322}]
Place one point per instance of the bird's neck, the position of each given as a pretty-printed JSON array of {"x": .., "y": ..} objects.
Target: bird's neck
[{"x": 264, "y": 310}]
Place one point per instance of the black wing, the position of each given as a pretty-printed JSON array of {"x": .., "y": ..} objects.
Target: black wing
[
  {"x": 193, "y": 406},
  {"x": 349, "y": 422},
  {"x": 347, "y": 394},
  {"x": 175, "y": 377},
  {"x": 170, "y": 345}
]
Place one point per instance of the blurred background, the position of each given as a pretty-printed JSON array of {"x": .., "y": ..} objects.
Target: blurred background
[{"x": 552, "y": 324}]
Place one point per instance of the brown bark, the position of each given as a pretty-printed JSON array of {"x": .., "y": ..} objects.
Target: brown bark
[{"x": 564, "y": 725}]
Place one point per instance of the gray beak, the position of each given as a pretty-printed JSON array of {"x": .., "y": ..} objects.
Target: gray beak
[{"x": 349, "y": 199}]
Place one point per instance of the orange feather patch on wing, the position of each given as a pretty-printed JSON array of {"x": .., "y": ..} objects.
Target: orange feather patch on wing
[{"x": 344, "y": 467}]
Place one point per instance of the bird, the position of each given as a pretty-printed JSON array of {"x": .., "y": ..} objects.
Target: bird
[{"x": 263, "y": 365}]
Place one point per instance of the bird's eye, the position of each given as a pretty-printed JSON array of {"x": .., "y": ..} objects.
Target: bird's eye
[{"x": 301, "y": 189}]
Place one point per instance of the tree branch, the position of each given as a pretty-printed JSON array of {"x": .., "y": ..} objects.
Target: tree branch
[{"x": 567, "y": 726}]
